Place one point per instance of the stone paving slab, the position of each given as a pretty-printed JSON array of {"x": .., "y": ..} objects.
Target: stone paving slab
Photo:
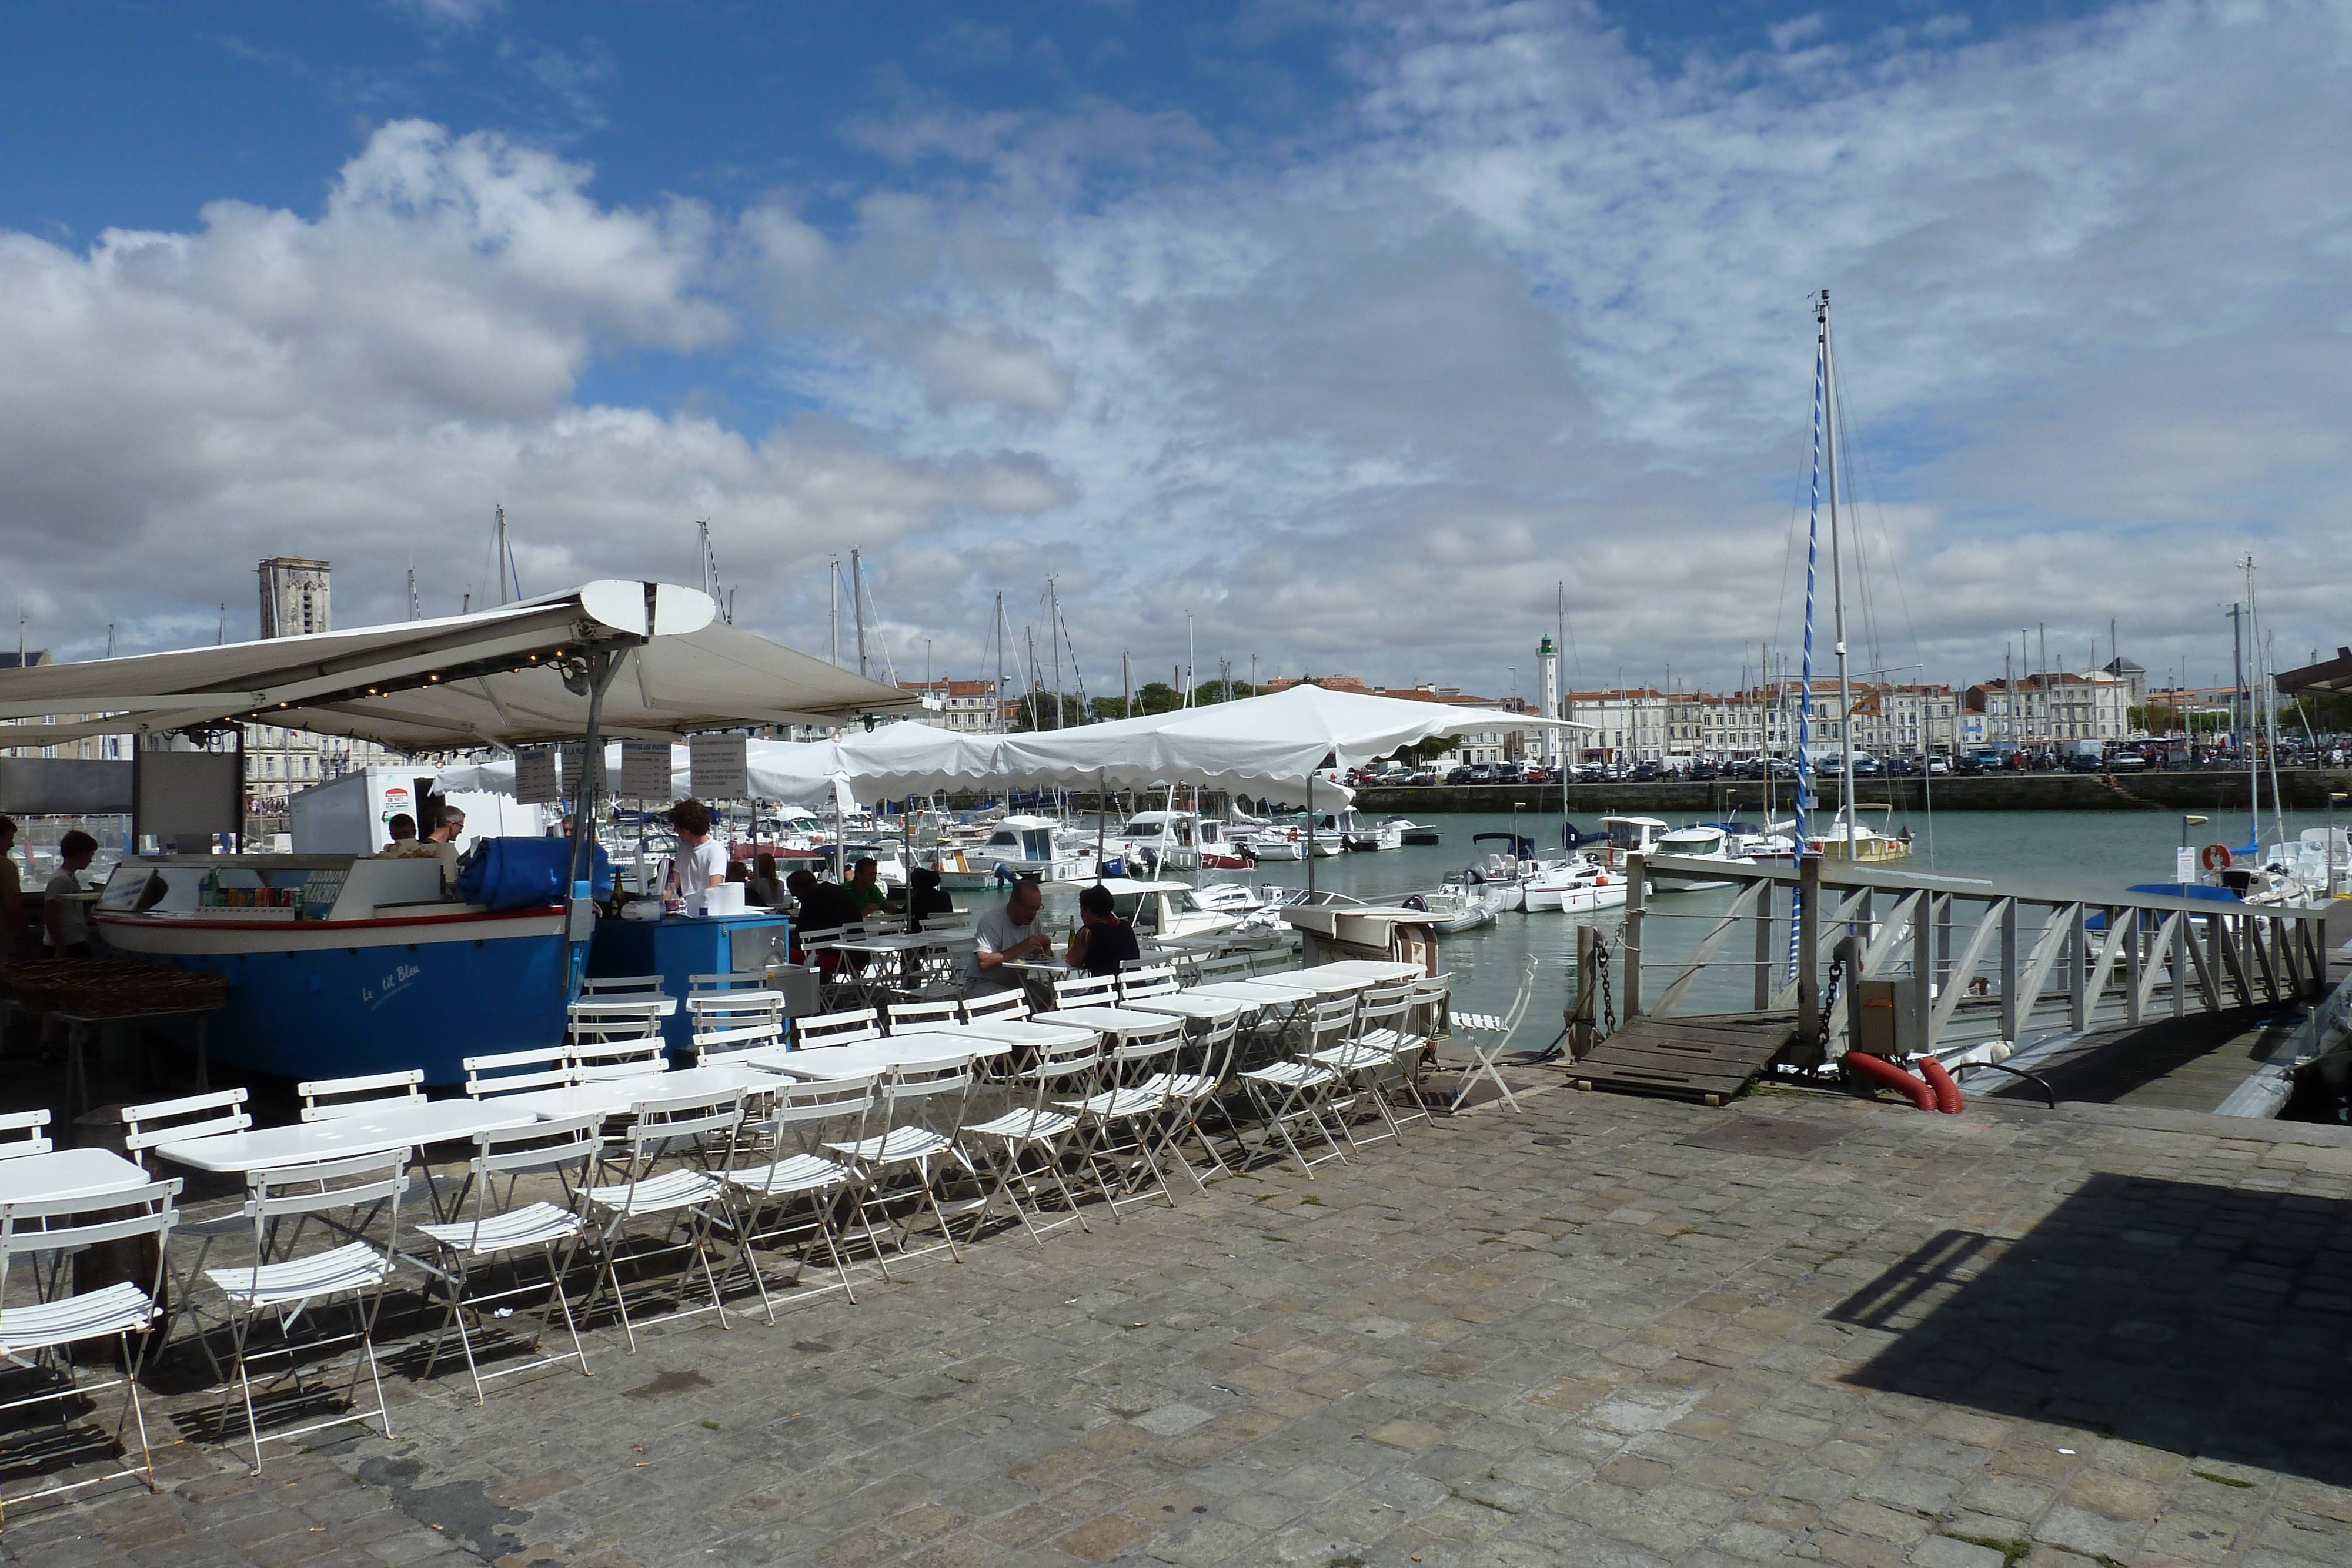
[{"x": 1568, "y": 1336}]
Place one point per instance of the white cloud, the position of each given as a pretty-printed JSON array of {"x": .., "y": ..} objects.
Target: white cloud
[
  {"x": 366, "y": 385},
  {"x": 1530, "y": 307}
]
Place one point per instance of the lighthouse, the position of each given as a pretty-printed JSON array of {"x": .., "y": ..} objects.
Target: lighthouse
[{"x": 1547, "y": 661}]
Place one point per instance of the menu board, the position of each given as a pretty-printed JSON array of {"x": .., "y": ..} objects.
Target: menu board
[
  {"x": 645, "y": 771},
  {"x": 535, "y": 780},
  {"x": 720, "y": 766}
]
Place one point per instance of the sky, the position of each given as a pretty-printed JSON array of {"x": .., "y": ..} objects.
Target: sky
[{"x": 1308, "y": 335}]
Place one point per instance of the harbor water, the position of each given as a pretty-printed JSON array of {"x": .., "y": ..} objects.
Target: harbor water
[{"x": 2095, "y": 851}]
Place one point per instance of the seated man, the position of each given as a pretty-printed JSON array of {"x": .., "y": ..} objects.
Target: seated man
[
  {"x": 865, "y": 887},
  {"x": 402, "y": 829},
  {"x": 1008, "y": 935},
  {"x": 1102, "y": 941},
  {"x": 820, "y": 906}
]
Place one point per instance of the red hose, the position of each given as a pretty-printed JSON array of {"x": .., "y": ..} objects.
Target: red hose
[
  {"x": 1880, "y": 1071},
  {"x": 1947, "y": 1094}
]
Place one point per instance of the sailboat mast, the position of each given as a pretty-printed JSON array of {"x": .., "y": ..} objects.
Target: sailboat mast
[
  {"x": 1837, "y": 577},
  {"x": 996, "y": 698},
  {"x": 857, "y": 605}
]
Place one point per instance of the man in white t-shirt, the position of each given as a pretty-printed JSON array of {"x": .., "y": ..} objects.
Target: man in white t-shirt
[
  {"x": 701, "y": 862},
  {"x": 1006, "y": 934}
]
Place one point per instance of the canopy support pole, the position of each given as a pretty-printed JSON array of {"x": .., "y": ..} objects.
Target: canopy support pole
[
  {"x": 580, "y": 926},
  {"x": 1102, "y": 809},
  {"x": 1310, "y": 831}
]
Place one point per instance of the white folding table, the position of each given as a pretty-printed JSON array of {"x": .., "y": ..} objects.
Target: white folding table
[
  {"x": 618, "y": 1097},
  {"x": 1189, "y": 1005},
  {"x": 1121, "y": 1023},
  {"x": 68, "y": 1173},
  {"x": 409, "y": 1125},
  {"x": 871, "y": 1058}
]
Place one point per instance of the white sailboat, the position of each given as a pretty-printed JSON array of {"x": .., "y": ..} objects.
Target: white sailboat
[{"x": 1849, "y": 842}]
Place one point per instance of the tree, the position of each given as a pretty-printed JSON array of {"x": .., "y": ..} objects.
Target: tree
[{"x": 1217, "y": 690}]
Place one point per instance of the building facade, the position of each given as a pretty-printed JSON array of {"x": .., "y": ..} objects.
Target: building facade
[{"x": 968, "y": 707}]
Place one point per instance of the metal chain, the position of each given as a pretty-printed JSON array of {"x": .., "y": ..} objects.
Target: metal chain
[
  {"x": 1829, "y": 997},
  {"x": 1607, "y": 999}
]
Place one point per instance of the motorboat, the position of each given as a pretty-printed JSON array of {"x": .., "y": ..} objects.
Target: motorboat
[
  {"x": 1849, "y": 838},
  {"x": 1362, "y": 837},
  {"x": 1036, "y": 846},
  {"x": 1412, "y": 832},
  {"x": 1290, "y": 841},
  {"x": 1706, "y": 841},
  {"x": 1504, "y": 873},
  {"x": 1167, "y": 908},
  {"x": 1627, "y": 836},
  {"x": 1573, "y": 886},
  {"x": 1171, "y": 840}
]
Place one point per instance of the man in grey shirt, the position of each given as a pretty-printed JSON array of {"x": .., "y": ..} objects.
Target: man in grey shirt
[{"x": 1006, "y": 934}]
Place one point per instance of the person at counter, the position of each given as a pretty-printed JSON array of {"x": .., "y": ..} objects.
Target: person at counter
[
  {"x": 402, "y": 829},
  {"x": 1008, "y": 935},
  {"x": 701, "y": 862},
  {"x": 63, "y": 913},
  {"x": 441, "y": 844},
  {"x": 12, "y": 892},
  {"x": 1102, "y": 941}
]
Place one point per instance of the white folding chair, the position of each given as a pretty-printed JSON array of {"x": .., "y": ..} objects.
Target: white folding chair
[
  {"x": 177, "y": 1121},
  {"x": 323, "y": 1098},
  {"x": 729, "y": 1023},
  {"x": 907, "y": 1016},
  {"x": 159, "y": 1122},
  {"x": 295, "y": 1288},
  {"x": 698, "y": 985},
  {"x": 845, "y": 1027},
  {"x": 620, "y": 988},
  {"x": 1293, "y": 1092},
  {"x": 599, "y": 1061},
  {"x": 1406, "y": 1039},
  {"x": 517, "y": 1071},
  {"x": 1273, "y": 961},
  {"x": 691, "y": 1193},
  {"x": 1121, "y": 1121},
  {"x": 918, "y": 1110},
  {"x": 1487, "y": 1036},
  {"x": 1089, "y": 990},
  {"x": 1028, "y": 1143},
  {"x": 1367, "y": 1055},
  {"x": 1004, "y": 1006},
  {"x": 1135, "y": 985},
  {"x": 39, "y": 1335},
  {"x": 1231, "y": 967},
  {"x": 499, "y": 1229},
  {"x": 1190, "y": 1091},
  {"x": 21, "y": 1134},
  {"x": 792, "y": 1188}
]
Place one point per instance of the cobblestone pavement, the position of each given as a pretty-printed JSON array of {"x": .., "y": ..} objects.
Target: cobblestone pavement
[{"x": 1607, "y": 1332}]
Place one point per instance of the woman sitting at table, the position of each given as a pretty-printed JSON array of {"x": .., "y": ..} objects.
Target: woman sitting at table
[
  {"x": 1102, "y": 941},
  {"x": 926, "y": 899}
]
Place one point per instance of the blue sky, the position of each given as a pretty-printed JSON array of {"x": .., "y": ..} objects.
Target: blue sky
[{"x": 1349, "y": 328}]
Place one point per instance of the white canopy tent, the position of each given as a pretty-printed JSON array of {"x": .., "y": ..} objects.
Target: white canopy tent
[
  {"x": 1256, "y": 743},
  {"x": 1283, "y": 739},
  {"x": 515, "y": 674}
]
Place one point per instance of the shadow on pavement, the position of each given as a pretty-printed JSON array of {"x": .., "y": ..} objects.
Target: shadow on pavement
[{"x": 2209, "y": 1320}]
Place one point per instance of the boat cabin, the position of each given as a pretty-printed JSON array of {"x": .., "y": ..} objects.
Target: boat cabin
[{"x": 1164, "y": 908}]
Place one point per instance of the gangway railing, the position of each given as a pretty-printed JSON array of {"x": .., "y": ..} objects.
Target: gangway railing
[{"x": 1974, "y": 959}]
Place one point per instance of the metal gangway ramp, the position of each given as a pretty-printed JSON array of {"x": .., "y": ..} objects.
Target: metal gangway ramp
[{"x": 1966, "y": 969}]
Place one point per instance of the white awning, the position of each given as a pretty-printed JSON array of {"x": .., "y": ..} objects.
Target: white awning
[
  {"x": 1276, "y": 740},
  {"x": 493, "y": 677},
  {"x": 893, "y": 760}
]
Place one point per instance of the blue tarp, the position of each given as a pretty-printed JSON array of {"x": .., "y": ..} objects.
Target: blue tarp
[{"x": 528, "y": 873}]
